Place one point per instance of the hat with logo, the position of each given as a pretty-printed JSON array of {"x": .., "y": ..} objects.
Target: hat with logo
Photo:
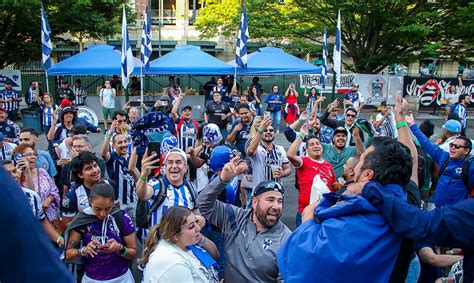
[
  {"x": 452, "y": 126},
  {"x": 340, "y": 130}
]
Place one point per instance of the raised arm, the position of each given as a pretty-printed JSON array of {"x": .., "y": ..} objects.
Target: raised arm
[
  {"x": 359, "y": 145},
  {"x": 215, "y": 211},
  {"x": 104, "y": 150},
  {"x": 144, "y": 190},
  {"x": 291, "y": 153},
  {"x": 404, "y": 137},
  {"x": 175, "y": 109},
  {"x": 255, "y": 141}
]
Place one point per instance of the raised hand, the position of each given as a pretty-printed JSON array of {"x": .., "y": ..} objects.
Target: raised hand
[
  {"x": 304, "y": 130},
  {"x": 233, "y": 168},
  {"x": 410, "y": 119},
  {"x": 149, "y": 163},
  {"x": 304, "y": 115}
]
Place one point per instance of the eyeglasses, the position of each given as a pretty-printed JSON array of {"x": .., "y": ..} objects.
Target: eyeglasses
[
  {"x": 350, "y": 115},
  {"x": 28, "y": 154},
  {"x": 456, "y": 146}
]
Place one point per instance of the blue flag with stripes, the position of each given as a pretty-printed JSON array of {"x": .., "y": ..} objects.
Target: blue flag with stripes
[
  {"x": 324, "y": 71},
  {"x": 241, "y": 46},
  {"x": 127, "y": 56},
  {"x": 145, "y": 51},
  {"x": 46, "y": 46}
]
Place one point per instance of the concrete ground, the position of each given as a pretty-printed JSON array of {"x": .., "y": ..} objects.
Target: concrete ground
[{"x": 291, "y": 195}]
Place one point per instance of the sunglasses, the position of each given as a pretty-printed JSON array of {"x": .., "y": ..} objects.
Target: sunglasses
[
  {"x": 121, "y": 121},
  {"x": 269, "y": 185},
  {"x": 350, "y": 115},
  {"x": 270, "y": 130},
  {"x": 456, "y": 146}
]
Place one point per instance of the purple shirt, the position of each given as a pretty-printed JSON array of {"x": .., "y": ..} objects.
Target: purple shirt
[{"x": 105, "y": 266}]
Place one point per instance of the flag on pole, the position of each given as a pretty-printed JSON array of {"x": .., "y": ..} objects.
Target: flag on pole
[
  {"x": 145, "y": 51},
  {"x": 241, "y": 46},
  {"x": 324, "y": 71},
  {"x": 337, "y": 50},
  {"x": 46, "y": 46},
  {"x": 127, "y": 56}
]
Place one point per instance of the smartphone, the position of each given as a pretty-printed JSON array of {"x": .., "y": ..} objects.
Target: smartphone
[
  {"x": 16, "y": 158},
  {"x": 154, "y": 147},
  {"x": 134, "y": 103}
]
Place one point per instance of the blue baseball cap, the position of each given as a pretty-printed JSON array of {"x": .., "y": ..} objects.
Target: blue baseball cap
[{"x": 452, "y": 126}]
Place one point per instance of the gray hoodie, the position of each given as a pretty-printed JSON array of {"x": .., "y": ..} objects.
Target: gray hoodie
[{"x": 249, "y": 256}]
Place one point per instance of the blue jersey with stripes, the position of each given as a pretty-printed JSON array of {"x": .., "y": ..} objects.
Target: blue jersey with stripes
[
  {"x": 10, "y": 94},
  {"x": 117, "y": 168},
  {"x": 48, "y": 114},
  {"x": 461, "y": 110},
  {"x": 174, "y": 196}
]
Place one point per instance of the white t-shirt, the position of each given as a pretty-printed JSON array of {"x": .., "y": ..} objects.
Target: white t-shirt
[
  {"x": 388, "y": 127},
  {"x": 169, "y": 263},
  {"x": 263, "y": 160},
  {"x": 108, "y": 100}
]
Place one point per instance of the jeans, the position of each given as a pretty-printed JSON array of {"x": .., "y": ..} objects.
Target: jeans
[
  {"x": 218, "y": 239},
  {"x": 298, "y": 219},
  {"x": 276, "y": 118},
  {"x": 414, "y": 271}
]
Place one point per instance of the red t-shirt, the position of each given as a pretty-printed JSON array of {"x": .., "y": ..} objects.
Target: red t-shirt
[{"x": 306, "y": 173}]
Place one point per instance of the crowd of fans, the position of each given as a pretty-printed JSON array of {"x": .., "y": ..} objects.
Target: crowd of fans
[{"x": 166, "y": 199}]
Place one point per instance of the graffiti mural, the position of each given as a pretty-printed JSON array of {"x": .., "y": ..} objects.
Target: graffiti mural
[{"x": 433, "y": 90}]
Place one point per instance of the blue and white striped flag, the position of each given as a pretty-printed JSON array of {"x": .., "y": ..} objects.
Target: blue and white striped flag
[
  {"x": 337, "y": 51},
  {"x": 241, "y": 48},
  {"x": 127, "y": 56},
  {"x": 145, "y": 50},
  {"x": 324, "y": 71},
  {"x": 46, "y": 46}
]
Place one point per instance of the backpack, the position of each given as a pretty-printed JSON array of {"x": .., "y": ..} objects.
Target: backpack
[
  {"x": 464, "y": 174},
  {"x": 423, "y": 172},
  {"x": 144, "y": 213}
]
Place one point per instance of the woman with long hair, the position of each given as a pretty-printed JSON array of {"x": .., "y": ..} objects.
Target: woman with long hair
[
  {"x": 43, "y": 183},
  {"x": 292, "y": 109},
  {"x": 255, "y": 96},
  {"x": 108, "y": 238},
  {"x": 171, "y": 253},
  {"x": 47, "y": 110}
]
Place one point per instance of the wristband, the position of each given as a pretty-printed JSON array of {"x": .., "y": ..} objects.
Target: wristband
[
  {"x": 402, "y": 124},
  {"x": 144, "y": 179},
  {"x": 123, "y": 251},
  {"x": 300, "y": 136},
  {"x": 59, "y": 239},
  {"x": 260, "y": 130}
]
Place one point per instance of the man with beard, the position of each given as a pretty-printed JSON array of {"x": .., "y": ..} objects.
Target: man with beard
[
  {"x": 269, "y": 161},
  {"x": 252, "y": 236},
  {"x": 308, "y": 167},
  {"x": 218, "y": 112},
  {"x": 348, "y": 174},
  {"x": 339, "y": 152},
  {"x": 117, "y": 168}
]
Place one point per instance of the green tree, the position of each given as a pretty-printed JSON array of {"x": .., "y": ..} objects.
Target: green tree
[
  {"x": 20, "y": 24},
  {"x": 374, "y": 33}
]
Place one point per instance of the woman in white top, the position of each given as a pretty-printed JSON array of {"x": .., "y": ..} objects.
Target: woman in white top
[
  {"x": 451, "y": 97},
  {"x": 168, "y": 254}
]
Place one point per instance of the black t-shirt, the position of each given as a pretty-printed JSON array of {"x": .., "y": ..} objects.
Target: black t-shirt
[
  {"x": 429, "y": 273},
  {"x": 214, "y": 112},
  {"x": 407, "y": 248}
]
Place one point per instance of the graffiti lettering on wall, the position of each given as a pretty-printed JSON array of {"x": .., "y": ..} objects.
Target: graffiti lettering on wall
[
  {"x": 433, "y": 90},
  {"x": 374, "y": 88}
]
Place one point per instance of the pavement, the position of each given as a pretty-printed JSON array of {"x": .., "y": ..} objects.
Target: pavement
[{"x": 291, "y": 195}]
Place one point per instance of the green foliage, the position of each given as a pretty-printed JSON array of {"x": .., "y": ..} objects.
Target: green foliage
[
  {"x": 374, "y": 33},
  {"x": 20, "y": 23}
]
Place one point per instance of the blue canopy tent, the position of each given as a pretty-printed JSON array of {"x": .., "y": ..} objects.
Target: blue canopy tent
[
  {"x": 272, "y": 61},
  {"x": 189, "y": 60},
  {"x": 96, "y": 60}
]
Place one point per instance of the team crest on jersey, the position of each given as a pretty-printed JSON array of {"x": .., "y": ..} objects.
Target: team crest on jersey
[
  {"x": 66, "y": 202},
  {"x": 458, "y": 170},
  {"x": 267, "y": 243},
  {"x": 7, "y": 128}
]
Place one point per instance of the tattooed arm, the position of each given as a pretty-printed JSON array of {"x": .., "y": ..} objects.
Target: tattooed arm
[{"x": 72, "y": 247}]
